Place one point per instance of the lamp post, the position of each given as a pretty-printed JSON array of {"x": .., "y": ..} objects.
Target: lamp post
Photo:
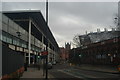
[{"x": 18, "y": 34}]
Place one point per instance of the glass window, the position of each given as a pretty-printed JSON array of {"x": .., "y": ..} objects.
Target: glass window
[
  {"x": 35, "y": 41},
  {"x": 0, "y": 36},
  {"x": 18, "y": 42},
  {"x": 0, "y": 17},
  {"x": 4, "y": 38},
  {"x": 36, "y": 49},
  {"x": 14, "y": 41},
  {"x": 9, "y": 39},
  {"x": 24, "y": 45},
  {"x": 32, "y": 47},
  {"x": 38, "y": 43},
  {"x": 32, "y": 39},
  {"x": 26, "y": 36}
]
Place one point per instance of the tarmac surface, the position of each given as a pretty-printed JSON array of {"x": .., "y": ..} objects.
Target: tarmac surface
[{"x": 82, "y": 72}]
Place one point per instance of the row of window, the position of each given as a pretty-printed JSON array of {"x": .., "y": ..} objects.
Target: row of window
[
  {"x": 12, "y": 28},
  {"x": 16, "y": 41}
]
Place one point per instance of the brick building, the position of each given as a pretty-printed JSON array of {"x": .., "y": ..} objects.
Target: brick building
[{"x": 65, "y": 51}]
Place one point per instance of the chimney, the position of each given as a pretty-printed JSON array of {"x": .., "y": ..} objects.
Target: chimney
[
  {"x": 98, "y": 30},
  {"x": 113, "y": 29},
  {"x": 86, "y": 32},
  {"x": 105, "y": 29},
  {"x": 91, "y": 31}
]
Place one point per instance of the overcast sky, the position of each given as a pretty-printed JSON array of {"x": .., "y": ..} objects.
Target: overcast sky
[{"x": 66, "y": 19}]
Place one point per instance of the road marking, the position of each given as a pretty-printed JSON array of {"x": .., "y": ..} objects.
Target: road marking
[{"x": 70, "y": 74}]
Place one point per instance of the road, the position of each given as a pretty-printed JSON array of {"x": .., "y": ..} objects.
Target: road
[{"x": 65, "y": 71}]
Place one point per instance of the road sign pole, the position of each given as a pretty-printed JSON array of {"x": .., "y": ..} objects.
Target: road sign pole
[{"x": 46, "y": 66}]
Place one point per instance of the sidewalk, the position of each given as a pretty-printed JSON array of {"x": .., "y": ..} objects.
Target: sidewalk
[
  {"x": 99, "y": 68},
  {"x": 34, "y": 73}
]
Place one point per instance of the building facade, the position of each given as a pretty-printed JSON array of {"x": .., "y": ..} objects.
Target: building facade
[
  {"x": 105, "y": 52},
  {"x": 26, "y": 33},
  {"x": 65, "y": 51},
  {"x": 98, "y": 36}
]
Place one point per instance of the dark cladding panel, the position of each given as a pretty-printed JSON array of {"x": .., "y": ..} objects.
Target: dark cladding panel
[{"x": 11, "y": 60}]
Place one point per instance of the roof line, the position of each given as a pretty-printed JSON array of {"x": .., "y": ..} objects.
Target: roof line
[{"x": 21, "y": 11}]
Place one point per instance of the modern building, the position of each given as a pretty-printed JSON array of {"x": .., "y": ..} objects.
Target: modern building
[
  {"x": 25, "y": 34},
  {"x": 98, "y": 36}
]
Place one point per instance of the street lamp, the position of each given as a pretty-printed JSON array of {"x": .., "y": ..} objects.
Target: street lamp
[{"x": 18, "y": 34}]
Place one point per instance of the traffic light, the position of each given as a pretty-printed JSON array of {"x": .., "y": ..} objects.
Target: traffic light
[
  {"x": 80, "y": 55},
  {"x": 38, "y": 56}
]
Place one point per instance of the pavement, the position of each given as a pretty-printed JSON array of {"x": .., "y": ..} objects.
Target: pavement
[
  {"x": 98, "y": 68},
  {"x": 34, "y": 73}
]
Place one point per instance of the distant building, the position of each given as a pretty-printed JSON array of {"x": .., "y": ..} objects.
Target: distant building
[
  {"x": 84, "y": 40},
  {"x": 103, "y": 53},
  {"x": 98, "y": 36},
  {"x": 65, "y": 51},
  {"x": 62, "y": 53}
]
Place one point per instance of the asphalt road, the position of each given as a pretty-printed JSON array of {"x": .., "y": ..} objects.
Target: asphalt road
[{"x": 63, "y": 71}]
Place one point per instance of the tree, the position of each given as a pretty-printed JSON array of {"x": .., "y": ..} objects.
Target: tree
[
  {"x": 76, "y": 41},
  {"x": 117, "y": 21}
]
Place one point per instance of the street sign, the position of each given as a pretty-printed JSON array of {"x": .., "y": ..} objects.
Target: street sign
[
  {"x": 43, "y": 57},
  {"x": 44, "y": 53}
]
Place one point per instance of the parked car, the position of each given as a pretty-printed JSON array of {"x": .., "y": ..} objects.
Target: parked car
[
  {"x": 49, "y": 65},
  {"x": 54, "y": 62}
]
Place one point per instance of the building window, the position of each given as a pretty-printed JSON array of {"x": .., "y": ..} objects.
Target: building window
[
  {"x": 17, "y": 42},
  {"x": 23, "y": 44},
  {"x": 14, "y": 41},
  {"x": 9, "y": 39},
  {"x": 1, "y": 37},
  {"x": 4, "y": 38}
]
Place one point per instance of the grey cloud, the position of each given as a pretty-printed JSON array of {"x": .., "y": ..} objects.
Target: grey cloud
[{"x": 69, "y": 18}]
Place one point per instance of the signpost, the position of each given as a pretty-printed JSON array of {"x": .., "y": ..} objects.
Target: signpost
[
  {"x": 44, "y": 55},
  {"x": 47, "y": 43}
]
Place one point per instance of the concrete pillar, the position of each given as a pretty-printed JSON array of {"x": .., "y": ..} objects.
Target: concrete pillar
[
  {"x": 29, "y": 43},
  {"x": 42, "y": 42}
]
